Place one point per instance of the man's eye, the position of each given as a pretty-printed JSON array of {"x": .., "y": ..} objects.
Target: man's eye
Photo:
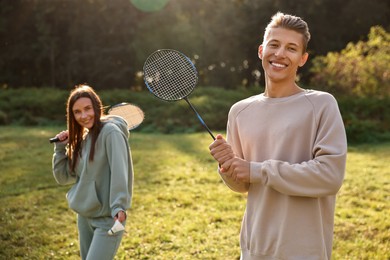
[{"x": 292, "y": 48}]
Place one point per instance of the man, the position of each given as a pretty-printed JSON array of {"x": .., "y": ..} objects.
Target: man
[{"x": 287, "y": 149}]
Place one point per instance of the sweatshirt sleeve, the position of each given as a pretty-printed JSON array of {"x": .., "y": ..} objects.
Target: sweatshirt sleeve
[
  {"x": 323, "y": 174},
  {"x": 121, "y": 167},
  {"x": 233, "y": 139},
  {"x": 60, "y": 165}
]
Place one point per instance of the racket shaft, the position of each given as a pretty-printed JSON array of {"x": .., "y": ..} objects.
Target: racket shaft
[{"x": 200, "y": 118}]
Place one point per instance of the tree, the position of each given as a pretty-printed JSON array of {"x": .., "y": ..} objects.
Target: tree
[
  {"x": 361, "y": 69},
  {"x": 105, "y": 42}
]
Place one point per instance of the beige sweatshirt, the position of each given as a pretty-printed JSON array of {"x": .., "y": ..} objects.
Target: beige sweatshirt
[{"x": 297, "y": 150}]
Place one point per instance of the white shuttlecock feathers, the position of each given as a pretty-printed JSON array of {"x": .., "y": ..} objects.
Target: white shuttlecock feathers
[{"x": 116, "y": 228}]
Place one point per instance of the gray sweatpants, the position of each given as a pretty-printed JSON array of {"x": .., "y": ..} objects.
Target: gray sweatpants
[{"x": 95, "y": 243}]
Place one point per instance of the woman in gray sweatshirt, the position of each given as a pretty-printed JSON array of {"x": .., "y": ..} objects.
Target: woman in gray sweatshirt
[{"x": 93, "y": 154}]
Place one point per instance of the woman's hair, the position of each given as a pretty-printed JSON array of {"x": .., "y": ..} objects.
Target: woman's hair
[
  {"x": 286, "y": 21},
  {"x": 76, "y": 131}
]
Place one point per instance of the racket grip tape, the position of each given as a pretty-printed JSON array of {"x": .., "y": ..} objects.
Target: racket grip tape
[{"x": 54, "y": 139}]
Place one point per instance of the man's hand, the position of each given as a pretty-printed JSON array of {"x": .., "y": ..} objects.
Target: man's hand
[
  {"x": 239, "y": 170},
  {"x": 222, "y": 152},
  {"x": 230, "y": 165}
]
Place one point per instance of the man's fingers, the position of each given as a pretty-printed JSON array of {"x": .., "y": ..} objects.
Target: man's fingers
[{"x": 218, "y": 141}]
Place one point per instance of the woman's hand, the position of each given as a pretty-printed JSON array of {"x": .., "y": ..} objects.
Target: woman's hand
[
  {"x": 121, "y": 216},
  {"x": 63, "y": 136}
]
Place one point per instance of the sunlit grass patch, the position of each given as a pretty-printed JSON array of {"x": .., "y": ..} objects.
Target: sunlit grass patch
[{"x": 181, "y": 209}]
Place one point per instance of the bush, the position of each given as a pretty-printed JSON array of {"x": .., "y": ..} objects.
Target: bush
[
  {"x": 361, "y": 69},
  {"x": 3, "y": 118},
  {"x": 33, "y": 106},
  {"x": 366, "y": 119},
  {"x": 43, "y": 106}
]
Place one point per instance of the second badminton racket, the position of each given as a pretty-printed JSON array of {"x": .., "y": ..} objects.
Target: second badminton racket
[{"x": 170, "y": 75}]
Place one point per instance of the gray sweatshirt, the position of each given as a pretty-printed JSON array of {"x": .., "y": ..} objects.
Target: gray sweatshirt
[{"x": 104, "y": 186}]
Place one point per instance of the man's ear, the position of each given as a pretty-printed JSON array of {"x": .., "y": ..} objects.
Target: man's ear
[
  {"x": 304, "y": 58},
  {"x": 260, "y": 52}
]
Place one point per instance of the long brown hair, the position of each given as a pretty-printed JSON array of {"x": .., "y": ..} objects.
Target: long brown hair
[{"x": 77, "y": 132}]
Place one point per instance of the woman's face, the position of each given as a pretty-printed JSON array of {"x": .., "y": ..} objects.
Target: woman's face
[{"x": 83, "y": 112}]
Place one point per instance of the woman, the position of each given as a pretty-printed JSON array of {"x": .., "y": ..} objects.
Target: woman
[{"x": 94, "y": 155}]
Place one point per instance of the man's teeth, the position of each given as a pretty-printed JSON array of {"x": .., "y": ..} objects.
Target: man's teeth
[{"x": 278, "y": 65}]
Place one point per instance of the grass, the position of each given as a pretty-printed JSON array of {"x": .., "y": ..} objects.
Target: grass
[{"x": 181, "y": 209}]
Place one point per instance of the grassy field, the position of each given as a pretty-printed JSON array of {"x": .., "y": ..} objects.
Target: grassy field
[{"x": 181, "y": 209}]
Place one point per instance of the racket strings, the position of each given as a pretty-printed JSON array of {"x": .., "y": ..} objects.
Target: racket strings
[
  {"x": 130, "y": 113},
  {"x": 169, "y": 75}
]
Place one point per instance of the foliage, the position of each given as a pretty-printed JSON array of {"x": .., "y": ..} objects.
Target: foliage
[
  {"x": 361, "y": 69},
  {"x": 181, "y": 209},
  {"x": 365, "y": 119},
  {"x": 32, "y": 106},
  {"x": 105, "y": 42},
  {"x": 45, "y": 106}
]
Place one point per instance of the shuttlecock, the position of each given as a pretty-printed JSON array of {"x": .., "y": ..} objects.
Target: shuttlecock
[{"x": 116, "y": 228}]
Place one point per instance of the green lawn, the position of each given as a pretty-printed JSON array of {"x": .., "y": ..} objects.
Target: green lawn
[{"x": 181, "y": 209}]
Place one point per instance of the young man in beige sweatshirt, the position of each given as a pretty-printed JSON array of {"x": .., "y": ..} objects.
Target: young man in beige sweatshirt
[{"x": 287, "y": 149}]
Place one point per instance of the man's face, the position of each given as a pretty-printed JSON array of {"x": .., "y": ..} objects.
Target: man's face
[{"x": 281, "y": 54}]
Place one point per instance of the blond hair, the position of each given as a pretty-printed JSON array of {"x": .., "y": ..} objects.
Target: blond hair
[{"x": 290, "y": 22}]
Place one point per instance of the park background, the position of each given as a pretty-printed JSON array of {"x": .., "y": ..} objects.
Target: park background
[{"x": 48, "y": 46}]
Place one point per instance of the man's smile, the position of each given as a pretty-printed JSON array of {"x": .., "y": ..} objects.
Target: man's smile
[{"x": 277, "y": 64}]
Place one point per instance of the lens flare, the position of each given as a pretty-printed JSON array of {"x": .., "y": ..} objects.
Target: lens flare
[{"x": 149, "y": 5}]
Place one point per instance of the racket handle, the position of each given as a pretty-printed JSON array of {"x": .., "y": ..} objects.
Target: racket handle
[{"x": 54, "y": 140}]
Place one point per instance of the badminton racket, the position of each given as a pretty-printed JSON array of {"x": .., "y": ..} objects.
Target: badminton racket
[
  {"x": 170, "y": 75},
  {"x": 132, "y": 114}
]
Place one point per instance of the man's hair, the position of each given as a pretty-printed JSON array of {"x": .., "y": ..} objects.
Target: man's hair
[{"x": 290, "y": 22}]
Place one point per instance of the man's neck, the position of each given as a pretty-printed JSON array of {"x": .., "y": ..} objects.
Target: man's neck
[{"x": 279, "y": 90}]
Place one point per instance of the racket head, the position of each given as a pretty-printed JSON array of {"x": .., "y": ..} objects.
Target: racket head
[
  {"x": 132, "y": 114},
  {"x": 170, "y": 75}
]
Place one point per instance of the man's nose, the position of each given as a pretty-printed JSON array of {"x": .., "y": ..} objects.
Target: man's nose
[{"x": 280, "y": 52}]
